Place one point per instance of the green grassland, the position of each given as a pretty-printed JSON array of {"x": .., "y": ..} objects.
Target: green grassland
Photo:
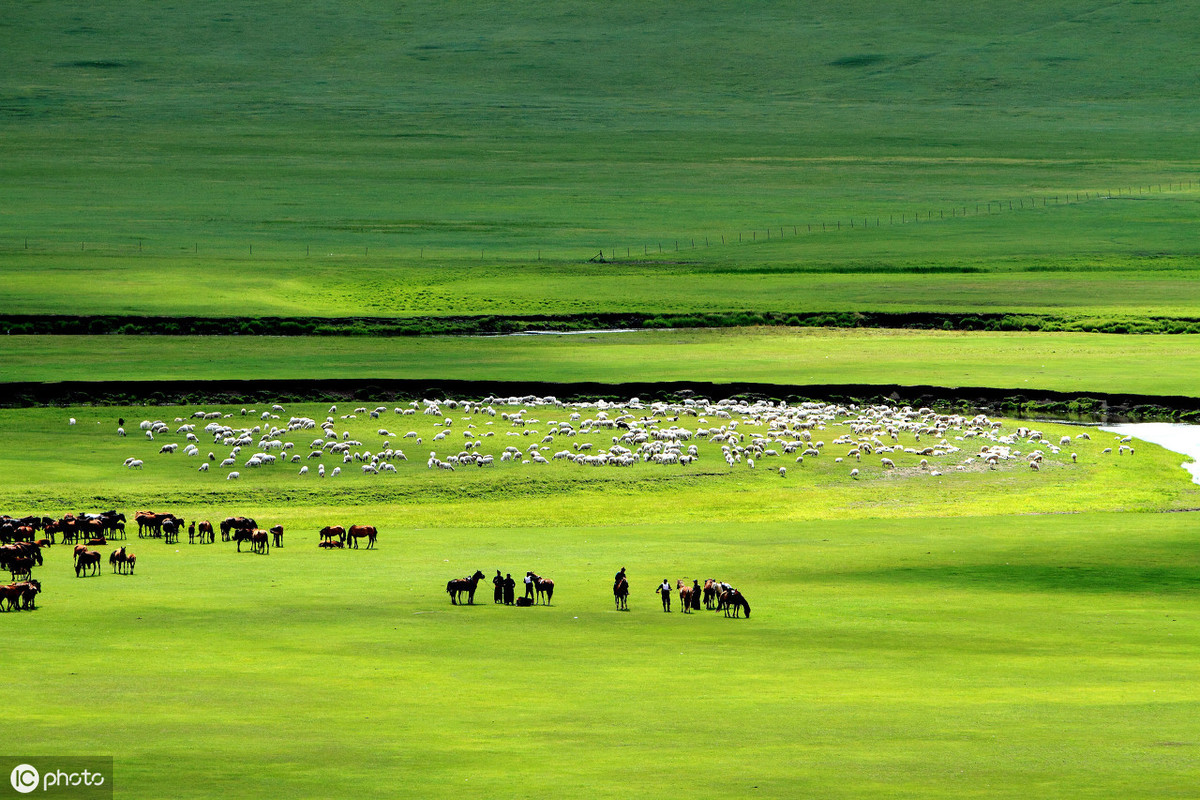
[
  {"x": 910, "y": 636},
  {"x": 985, "y": 633},
  {"x": 1066, "y": 362},
  {"x": 417, "y": 160}
]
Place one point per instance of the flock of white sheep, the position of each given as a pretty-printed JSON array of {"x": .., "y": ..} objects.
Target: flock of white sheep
[{"x": 742, "y": 434}]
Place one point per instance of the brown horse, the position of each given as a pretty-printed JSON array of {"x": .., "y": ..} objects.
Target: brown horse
[
  {"x": 88, "y": 559},
  {"x": 357, "y": 532},
  {"x": 260, "y": 542},
  {"x": 735, "y": 602},
  {"x": 710, "y": 594},
  {"x": 457, "y": 587},
  {"x": 277, "y": 536},
  {"x": 543, "y": 586},
  {"x": 243, "y": 535},
  {"x": 332, "y": 544},
  {"x": 21, "y": 565},
  {"x": 205, "y": 529},
  {"x": 230, "y": 524},
  {"x": 331, "y": 532},
  {"x": 192, "y": 532},
  {"x": 621, "y": 594},
  {"x": 29, "y": 590},
  {"x": 685, "y": 595},
  {"x": 11, "y": 593},
  {"x": 122, "y": 561}
]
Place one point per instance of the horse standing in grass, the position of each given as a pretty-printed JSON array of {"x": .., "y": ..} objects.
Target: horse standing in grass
[
  {"x": 543, "y": 586},
  {"x": 357, "y": 532},
  {"x": 710, "y": 594},
  {"x": 621, "y": 593},
  {"x": 685, "y": 596},
  {"x": 277, "y": 536},
  {"x": 206, "y": 532},
  {"x": 735, "y": 602},
  {"x": 87, "y": 560},
  {"x": 458, "y": 586},
  {"x": 331, "y": 532},
  {"x": 260, "y": 542}
]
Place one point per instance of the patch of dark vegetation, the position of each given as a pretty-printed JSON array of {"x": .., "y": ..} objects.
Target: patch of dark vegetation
[
  {"x": 490, "y": 325},
  {"x": 859, "y": 60},
  {"x": 1028, "y": 404},
  {"x": 98, "y": 64}
]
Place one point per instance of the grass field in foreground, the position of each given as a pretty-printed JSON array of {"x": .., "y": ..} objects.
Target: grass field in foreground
[
  {"x": 1000, "y": 657},
  {"x": 1069, "y": 362},
  {"x": 944, "y": 642}
]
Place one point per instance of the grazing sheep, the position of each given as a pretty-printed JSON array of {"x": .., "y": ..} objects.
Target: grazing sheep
[
  {"x": 71, "y": 421},
  {"x": 854, "y": 473},
  {"x": 336, "y": 471},
  {"x": 1074, "y": 456},
  {"x": 135, "y": 463},
  {"x": 783, "y": 472},
  {"x": 304, "y": 470},
  {"x": 887, "y": 463},
  {"x": 203, "y": 467},
  {"x": 233, "y": 476},
  {"x": 1106, "y": 450},
  {"x": 120, "y": 431}
]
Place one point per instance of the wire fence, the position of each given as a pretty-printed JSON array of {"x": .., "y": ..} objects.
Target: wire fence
[{"x": 133, "y": 245}]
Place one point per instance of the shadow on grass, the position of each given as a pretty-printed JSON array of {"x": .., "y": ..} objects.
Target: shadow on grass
[{"x": 1097, "y": 579}]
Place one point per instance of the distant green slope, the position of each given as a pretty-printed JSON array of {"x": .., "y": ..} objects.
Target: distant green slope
[{"x": 570, "y": 127}]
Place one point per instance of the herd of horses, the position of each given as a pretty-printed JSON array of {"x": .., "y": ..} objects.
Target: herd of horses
[
  {"x": 22, "y": 540},
  {"x": 716, "y": 595},
  {"x": 335, "y": 537}
]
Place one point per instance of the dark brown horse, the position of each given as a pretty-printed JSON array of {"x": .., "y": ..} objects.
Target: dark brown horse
[
  {"x": 735, "y": 602},
  {"x": 240, "y": 535},
  {"x": 458, "y": 586},
  {"x": 87, "y": 560},
  {"x": 357, "y": 532},
  {"x": 543, "y": 586},
  {"x": 621, "y": 594},
  {"x": 230, "y": 524},
  {"x": 332, "y": 544},
  {"x": 260, "y": 542},
  {"x": 205, "y": 529},
  {"x": 122, "y": 561},
  {"x": 331, "y": 532},
  {"x": 277, "y": 536}
]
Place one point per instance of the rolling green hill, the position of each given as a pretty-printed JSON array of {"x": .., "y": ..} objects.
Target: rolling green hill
[{"x": 436, "y": 142}]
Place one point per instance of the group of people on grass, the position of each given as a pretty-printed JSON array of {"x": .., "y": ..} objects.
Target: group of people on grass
[{"x": 506, "y": 588}]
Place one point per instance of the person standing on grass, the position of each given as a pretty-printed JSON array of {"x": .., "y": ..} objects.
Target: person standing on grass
[
  {"x": 664, "y": 589},
  {"x": 529, "y": 585},
  {"x": 695, "y": 595},
  {"x": 510, "y": 589},
  {"x": 498, "y": 583}
]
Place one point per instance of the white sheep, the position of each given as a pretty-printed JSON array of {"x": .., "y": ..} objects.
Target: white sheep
[
  {"x": 135, "y": 463},
  {"x": 783, "y": 472},
  {"x": 321, "y": 470},
  {"x": 203, "y": 467},
  {"x": 304, "y": 470},
  {"x": 71, "y": 421},
  {"x": 120, "y": 431},
  {"x": 233, "y": 476},
  {"x": 854, "y": 473},
  {"x": 887, "y": 463},
  {"x": 336, "y": 471}
]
